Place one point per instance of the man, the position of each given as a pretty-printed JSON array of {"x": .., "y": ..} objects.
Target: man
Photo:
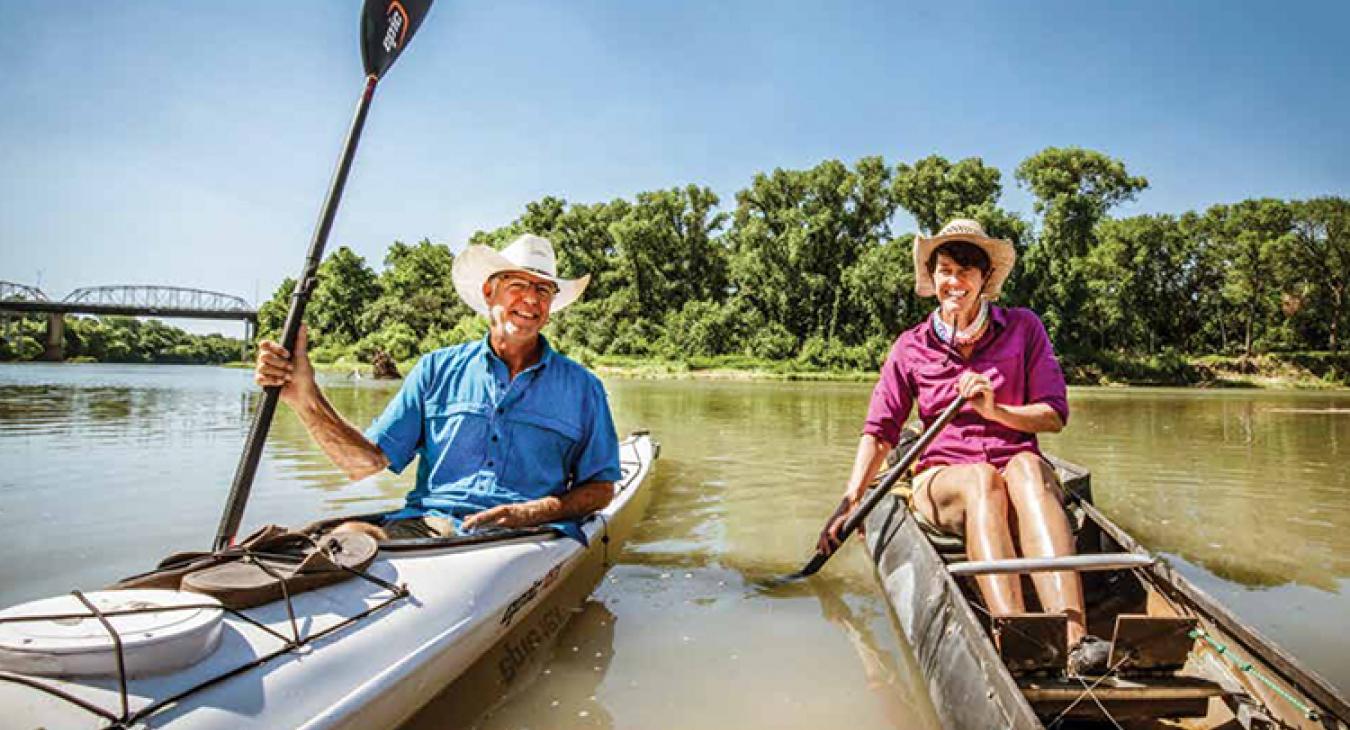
[{"x": 508, "y": 432}]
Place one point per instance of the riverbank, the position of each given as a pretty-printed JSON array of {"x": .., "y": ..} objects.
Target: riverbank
[{"x": 1287, "y": 371}]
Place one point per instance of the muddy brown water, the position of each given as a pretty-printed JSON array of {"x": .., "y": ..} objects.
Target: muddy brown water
[{"x": 105, "y": 467}]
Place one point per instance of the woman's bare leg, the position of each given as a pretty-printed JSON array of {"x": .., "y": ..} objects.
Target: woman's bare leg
[
  {"x": 1044, "y": 531},
  {"x": 973, "y": 498}
]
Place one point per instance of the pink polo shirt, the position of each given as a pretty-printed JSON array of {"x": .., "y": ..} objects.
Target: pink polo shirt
[{"x": 1014, "y": 352}]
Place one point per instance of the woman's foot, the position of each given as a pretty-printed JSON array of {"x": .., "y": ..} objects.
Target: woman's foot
[{"x": 1089, "y": 657}]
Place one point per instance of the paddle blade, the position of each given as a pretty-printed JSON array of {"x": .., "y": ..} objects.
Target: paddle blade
[{"x": 386, "y": 28}]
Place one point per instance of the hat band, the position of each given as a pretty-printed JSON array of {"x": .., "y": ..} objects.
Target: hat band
[{"x": 540, "y": 272}]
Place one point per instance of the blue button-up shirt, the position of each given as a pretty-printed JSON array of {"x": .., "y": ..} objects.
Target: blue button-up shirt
[{"x": 484, "y": 439}]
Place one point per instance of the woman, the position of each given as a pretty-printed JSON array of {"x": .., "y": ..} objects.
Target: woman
[{"x": 983, "y": 478}]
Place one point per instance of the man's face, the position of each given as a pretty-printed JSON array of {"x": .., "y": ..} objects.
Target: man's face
[{"x": 519, "y": 303}]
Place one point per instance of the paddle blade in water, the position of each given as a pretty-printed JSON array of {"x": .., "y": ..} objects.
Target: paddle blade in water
[{"x": 386, "y": 28}]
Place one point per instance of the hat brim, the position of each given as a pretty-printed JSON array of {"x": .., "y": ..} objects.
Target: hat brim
[
  {"x": 476, "y": 264},
  {"x": 1002, "y": 258}
]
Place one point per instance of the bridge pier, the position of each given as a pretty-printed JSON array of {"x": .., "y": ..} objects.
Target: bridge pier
[
  {"x": 56, "y": 338},
  {"x": 250, "y": 331}
]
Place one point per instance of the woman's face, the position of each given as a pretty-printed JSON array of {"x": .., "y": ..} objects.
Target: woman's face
[{"x": 958, "y": 288}]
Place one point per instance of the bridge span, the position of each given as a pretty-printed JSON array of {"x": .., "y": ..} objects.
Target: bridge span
[{"x": 124, "y": 300}]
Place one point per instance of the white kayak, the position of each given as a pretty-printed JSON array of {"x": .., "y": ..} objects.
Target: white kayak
[{"x": 473, "y": 621}]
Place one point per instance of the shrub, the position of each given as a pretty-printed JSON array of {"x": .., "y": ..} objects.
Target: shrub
[{"x": 397, "y": 339}]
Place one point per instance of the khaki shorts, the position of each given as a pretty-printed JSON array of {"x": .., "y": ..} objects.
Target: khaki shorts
[
  {"x": 921, "y": 481},
  {"x": 416, "y": 528},
  {"x": 918, "y": 483}
]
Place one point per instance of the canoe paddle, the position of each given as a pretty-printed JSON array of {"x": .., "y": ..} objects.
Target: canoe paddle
[
  {"x": 880, "y": 491},
  {"x": 386, "y": 28}
]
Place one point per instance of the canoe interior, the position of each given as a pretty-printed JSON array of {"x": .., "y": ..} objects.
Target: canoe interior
[{"x": 1177, "y": 654}]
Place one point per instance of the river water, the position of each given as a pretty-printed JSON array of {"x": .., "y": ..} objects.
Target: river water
[{"x": 103, "y": 468}]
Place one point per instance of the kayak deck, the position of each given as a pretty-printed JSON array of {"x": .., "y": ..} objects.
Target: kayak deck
[{"x": 357, "y": 653}]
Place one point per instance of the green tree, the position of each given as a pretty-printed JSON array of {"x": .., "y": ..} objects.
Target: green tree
[
  {"x": 880, "y": 287},
  {"x": 1247, "y": 238},
  {"x": 1074, "y": 189},
  {"x": 347, "y": 286},
  {"x": 416, "y": 292},
  {"x": 1138, "y": 285},
  {"x": 272, "y": 313},
  {"x": 1321, "y": 263},
  {"x": 934, "y": 190},
  {"x": 669, "y": 251},
  {"x": 795, "y": 233}
]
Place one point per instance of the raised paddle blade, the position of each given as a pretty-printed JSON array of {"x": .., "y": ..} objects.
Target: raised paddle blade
[{"x": 386, "y": 28}]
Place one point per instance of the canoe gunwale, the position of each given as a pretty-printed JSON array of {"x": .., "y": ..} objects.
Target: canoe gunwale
[
  {"x": 1252, "y": 641},
  {"x": 959, "y": 663}
]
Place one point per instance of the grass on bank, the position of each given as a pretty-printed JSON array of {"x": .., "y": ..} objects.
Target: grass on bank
[{"x": 1292, "y": 370}]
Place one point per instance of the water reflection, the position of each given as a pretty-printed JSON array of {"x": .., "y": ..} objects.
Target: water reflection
[
  {"x": 1246, "y": 486},
  {"x": 104, "y": 467},
  {"x": 567, "y": 692},
  {"x": 893, "y": 681}
]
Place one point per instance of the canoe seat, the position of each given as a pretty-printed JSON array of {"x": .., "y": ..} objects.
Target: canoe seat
[
  {"x": 1032, "y": 642},
  {"x": 1142, "y": 698},
  {"x": 1151, "y": 643}
]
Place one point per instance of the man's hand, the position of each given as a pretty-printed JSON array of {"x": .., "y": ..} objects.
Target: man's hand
[
  {"x": 574, "y": 504},
  {"x": 276, "y": 367},
  {"x": 979, "y": 392},
  {"x": 503, "y": 516}
]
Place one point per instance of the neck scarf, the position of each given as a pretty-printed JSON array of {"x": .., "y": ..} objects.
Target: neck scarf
[{"x": 965, "y": 337}]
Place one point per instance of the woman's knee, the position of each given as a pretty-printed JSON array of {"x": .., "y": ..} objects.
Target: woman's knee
[
  {"x": 986, "y": 484},
  {"x": 1028, "y": 477}
]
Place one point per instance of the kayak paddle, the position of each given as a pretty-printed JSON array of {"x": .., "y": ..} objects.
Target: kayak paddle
[{"x": 386, "y": 28}]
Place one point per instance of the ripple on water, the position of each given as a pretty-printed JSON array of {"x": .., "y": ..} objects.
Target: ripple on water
[{"x": 1252, "y": 503}]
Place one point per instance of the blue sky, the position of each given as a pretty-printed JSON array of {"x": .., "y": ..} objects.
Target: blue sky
[{"x": 190, "y": 142}]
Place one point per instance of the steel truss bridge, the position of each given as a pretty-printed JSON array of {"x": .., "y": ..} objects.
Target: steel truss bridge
[{"x": 124, "y": 300}]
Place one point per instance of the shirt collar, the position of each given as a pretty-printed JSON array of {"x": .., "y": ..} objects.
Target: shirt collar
[
  {"x": 998, "y": 321},
  {"x": 545, "y": 353}
]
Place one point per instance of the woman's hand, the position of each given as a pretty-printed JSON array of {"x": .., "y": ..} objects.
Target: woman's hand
[
  {"x": 978, "y": 390},
  {"x": 832, "y": 535}
]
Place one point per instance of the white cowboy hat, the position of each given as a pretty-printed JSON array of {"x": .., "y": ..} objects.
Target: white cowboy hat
[
  {"x": 1001, "y": 253},
  {"x": 530, "y": 254}
]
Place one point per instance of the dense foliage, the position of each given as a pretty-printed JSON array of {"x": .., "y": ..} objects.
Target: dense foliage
[
  {"x": 116, "y": 339},
  {"x": 806, "y": 268},
  {"x": 806, "y": 271}
]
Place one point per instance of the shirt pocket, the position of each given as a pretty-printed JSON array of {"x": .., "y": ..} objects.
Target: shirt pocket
[
  {"x": 1007, "y": 373},
  {"x": 542, "y": 449},
  {"x": 456, "y": 438}
]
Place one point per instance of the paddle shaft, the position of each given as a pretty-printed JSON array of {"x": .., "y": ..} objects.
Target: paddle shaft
[
  {"x": 304, "y": 287},
  {"x": 874, "y": 498}
]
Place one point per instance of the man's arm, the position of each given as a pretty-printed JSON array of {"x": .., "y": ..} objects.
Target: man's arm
[
  {"x": 346, "y": 447},
  {"x": 572, "y": 504}
]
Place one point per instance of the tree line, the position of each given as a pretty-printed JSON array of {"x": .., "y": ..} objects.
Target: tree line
[
  {"x": 116, "y": 339},
  {"x": 807, "y": 269}
]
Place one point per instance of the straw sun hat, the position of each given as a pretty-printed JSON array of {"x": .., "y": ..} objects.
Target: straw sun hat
[
  {"x": 529, "y": 254},
  {"x": 1001, "y": 253}
]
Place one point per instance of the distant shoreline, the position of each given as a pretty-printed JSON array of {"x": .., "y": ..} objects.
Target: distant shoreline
[{"x": 1283, "y": 371}]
